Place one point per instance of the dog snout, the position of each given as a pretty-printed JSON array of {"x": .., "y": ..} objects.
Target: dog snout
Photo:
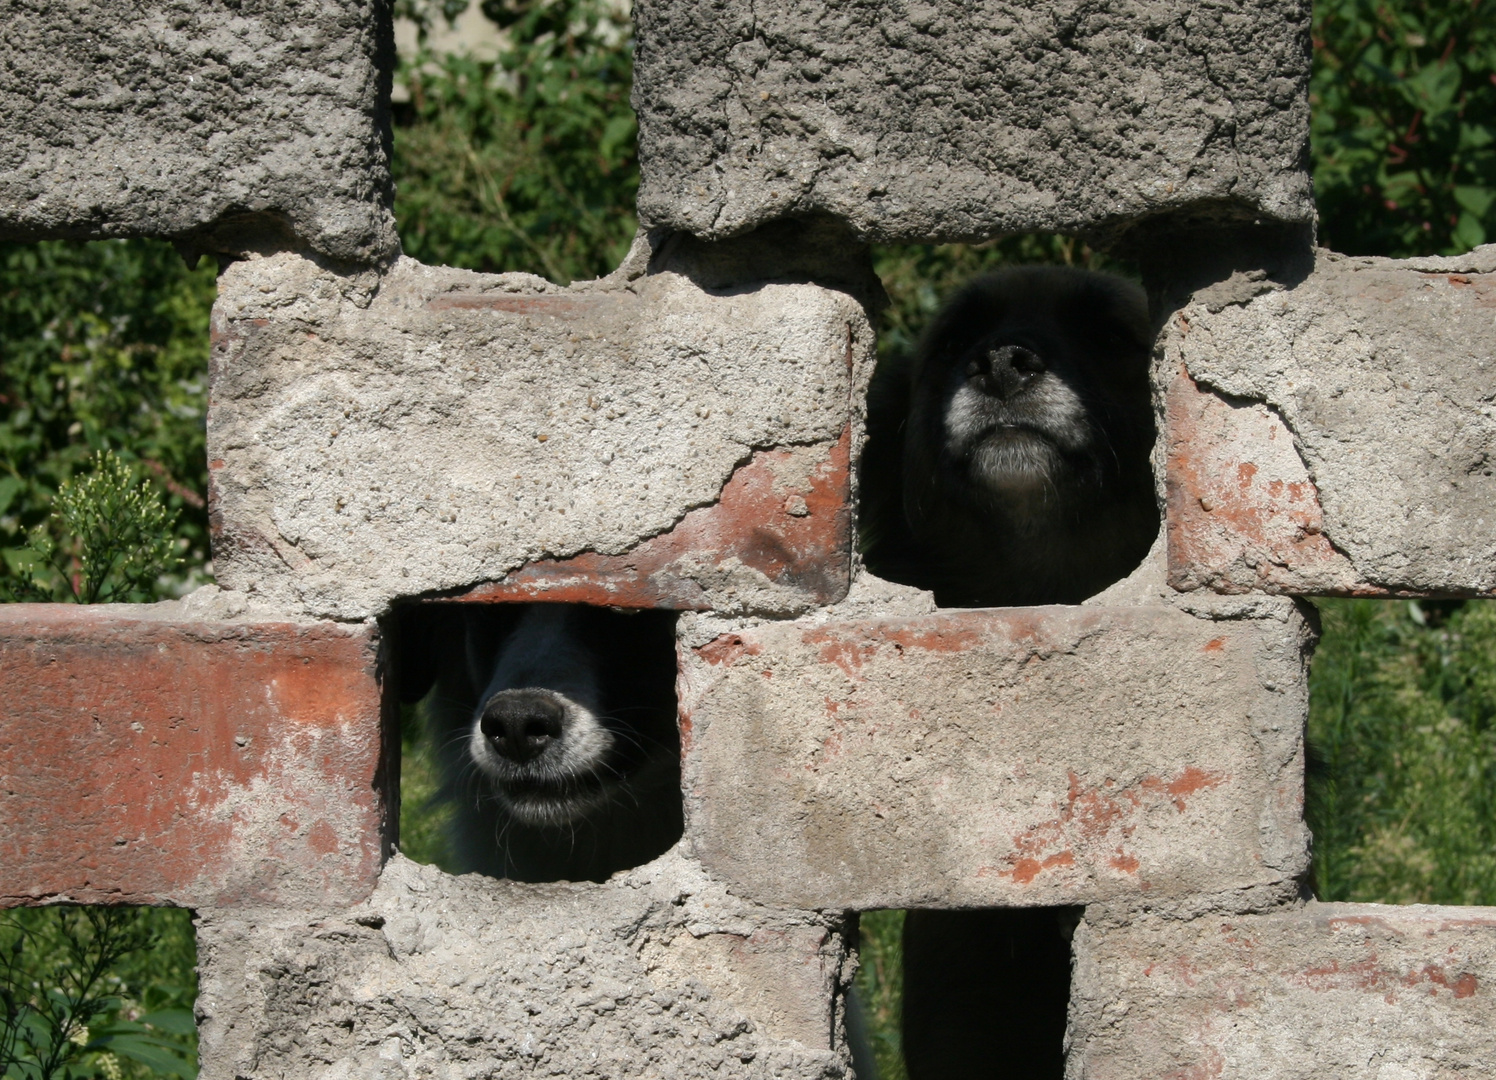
[
  {"x": 1005, "y": 371},
  {"x": 522, "y": 724}
]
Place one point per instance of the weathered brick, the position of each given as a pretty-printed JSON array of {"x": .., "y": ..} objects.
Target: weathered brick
[
  {"x": 1005, "y": 756},
  {"x": 1339, "y": 435},
  {"x": 222, "y": 124},
  {"x": 1350, "y": 991},
  {"x": 954, "y": 121},
  {"x": 660, "y": 972},
  {"x": 644, "y": 442},
  {"x": 147, "y": 759}
]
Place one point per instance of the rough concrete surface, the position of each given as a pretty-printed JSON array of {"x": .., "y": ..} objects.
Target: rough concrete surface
[
  {"x": 371, "y": 437},
  {"x": 222, "y": 124},
  {"x": 1339, "y": 435},
  {"x": 148, "y": 756},
  {"x": 1350, "y": 991},
  {"x": 949, "y": 120},
  {"x": 1051, "y": 755},
  {"x": 658, "y": 973}
]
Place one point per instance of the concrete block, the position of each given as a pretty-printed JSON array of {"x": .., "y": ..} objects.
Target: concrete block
[
  {"x": 1051, "y": 755},
  {"x": 948, "y": 121},
  {"x": 641, "y": 442},
  {"x": 1337, "y": 435},
  {"x": 151, "y": 759},
  {"x": 658, "y": 973},
  {"x": 224, "y": 125},
  {"x": 1353, "y": 991}
]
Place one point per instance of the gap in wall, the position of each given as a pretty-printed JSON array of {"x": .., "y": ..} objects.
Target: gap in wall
[{"x": 576, "y": 772}]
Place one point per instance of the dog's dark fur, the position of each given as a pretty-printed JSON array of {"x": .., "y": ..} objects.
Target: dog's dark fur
[
  {"x": 1007, "y": 462},
  {"x": 555, "y": 728}
]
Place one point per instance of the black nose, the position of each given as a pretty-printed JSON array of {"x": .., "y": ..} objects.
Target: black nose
[
  {"x": 1005, "y": 371},
  {"x": 520, "y": 724}
]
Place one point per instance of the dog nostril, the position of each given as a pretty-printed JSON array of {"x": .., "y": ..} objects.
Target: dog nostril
[
  {"x": 1027, "y": 361},
  {"x": 1013, "y": 369},
  {"x": 521, "y": 724}
]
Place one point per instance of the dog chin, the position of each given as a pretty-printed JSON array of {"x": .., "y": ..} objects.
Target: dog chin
[
  {"x": 1015, "y": 461},
  {"x": 551, "y": 802}
]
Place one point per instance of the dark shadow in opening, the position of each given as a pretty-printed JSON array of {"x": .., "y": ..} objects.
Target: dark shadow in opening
[
  {"x": 543, "y": 743},
  {"x": 986, "y": 993}
]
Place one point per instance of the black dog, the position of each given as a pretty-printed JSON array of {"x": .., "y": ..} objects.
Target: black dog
[
  {"x": 555, "y": 728},
  {"x": 1008, "y": 462}
]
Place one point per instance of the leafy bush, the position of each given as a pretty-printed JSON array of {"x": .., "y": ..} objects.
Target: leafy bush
[
  {"x": 103, "y": 346},
  {"x": 1404, "y": 128},
  {"x": 91, "y": 992},
  {"x": 527, "y": 162},
  {"x": 116, "y": 541}
]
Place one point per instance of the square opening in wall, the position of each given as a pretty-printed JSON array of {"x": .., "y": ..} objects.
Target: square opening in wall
[
  {"x": 1010, "y": 425},
  {"x": 539, "y": 741},
  {"x": 947, "y": 995}
]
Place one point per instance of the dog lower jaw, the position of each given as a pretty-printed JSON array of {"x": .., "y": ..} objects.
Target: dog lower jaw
[{"x": 552, "y": 802}]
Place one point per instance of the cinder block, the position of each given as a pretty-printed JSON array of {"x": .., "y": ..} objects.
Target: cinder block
[
  {"x": 221, "y": 124},
  {"x": 1337, "y": 435},
  {"x": 1051, "y": 755},
  {"x": 149, "y": 759},
  {"x": 641, "y": 442},
  {"x": 1351, "y": 991},
  {"x": 952, "y": 121},
  {"x": 658, "y": 973}
]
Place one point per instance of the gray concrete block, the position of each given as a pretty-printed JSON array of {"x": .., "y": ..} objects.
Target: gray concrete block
[
  {"x": 1351, "y": 991},
  {"x": 637, "y": 442},
  {"x": 1336, "y": 435},
  {"x": 951, "y": 121},
  {"x": 1050, "y": 755},
  {"x": 224, "y": 125},
  {"x": 658, "y": 973}
]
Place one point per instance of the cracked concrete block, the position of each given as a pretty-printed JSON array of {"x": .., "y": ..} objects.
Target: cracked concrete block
[
  {"x": 1353, "y": 991},
  {"x": 1008, "y": 756},
  {"x": 638, "y": 442},
  {"x": 219, "y": 124},
  {"x": 1336, "y": 435},
  {"x": 153, "y": 757},
  {"x": 949, "y": 121},
  {"x": 660, "y": 972}
]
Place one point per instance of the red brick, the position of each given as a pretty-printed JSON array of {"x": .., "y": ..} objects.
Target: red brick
[{"x": 144, "y": 760}]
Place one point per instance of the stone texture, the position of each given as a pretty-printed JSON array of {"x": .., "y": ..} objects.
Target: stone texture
[
  {"x": 433, "y": 429},
  {"x": 1337, "y": 435},
  {"x": 1353, "y": 991},
  {"x": 1053, "y": 755},
  {"x": 658, "y": 973},
  {"x": 221, "y": 124},
  {"x": 150, "y": 758},
  {"x": 949, "y": 120}
]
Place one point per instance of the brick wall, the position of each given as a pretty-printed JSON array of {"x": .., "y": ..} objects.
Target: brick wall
[{"x": 683, "y": 434}]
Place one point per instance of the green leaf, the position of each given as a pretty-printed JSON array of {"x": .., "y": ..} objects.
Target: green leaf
[
  {"x": 1477, "y": 200},
  {"x": 157, "y": 1054},
  {"x": 1469, "y": 233}
]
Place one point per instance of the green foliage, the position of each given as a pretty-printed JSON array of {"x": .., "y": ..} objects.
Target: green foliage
[
  {"x": 118, "y": 540},
  {"x": 103, "y": 346},
  {"x": 1404, "y": 128},
  {"x": 423, "y": 815},
  {"x": 1402, "y": 731},
  {"x": 97, "y": 991},
  {"x": 529, "y": 162},
  {"x": 880, "y": 987}
]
